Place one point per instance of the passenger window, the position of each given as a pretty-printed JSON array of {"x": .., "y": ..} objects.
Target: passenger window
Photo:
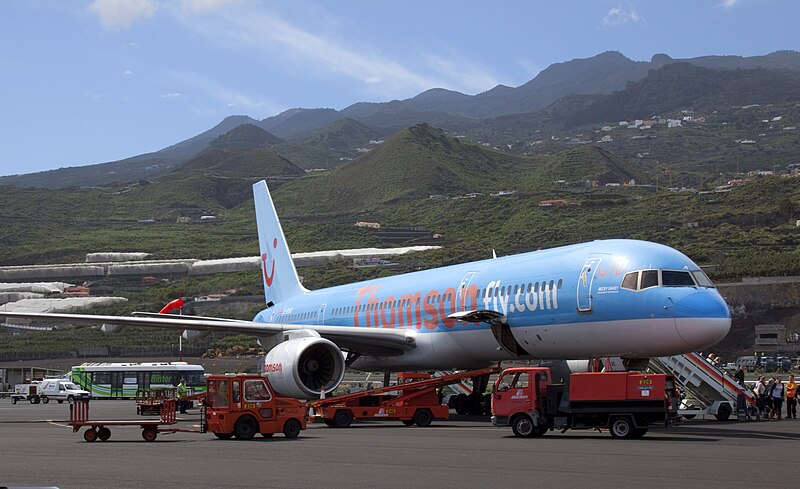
[
  {"x": 671, "y": 278},
  {"x": 236, "y": 392},
  {"x": 631, "y": 281},
  {"x": 649, "y": 278}
]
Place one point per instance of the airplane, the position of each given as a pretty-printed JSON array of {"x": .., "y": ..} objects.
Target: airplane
[{"x": 615, "y": 297}]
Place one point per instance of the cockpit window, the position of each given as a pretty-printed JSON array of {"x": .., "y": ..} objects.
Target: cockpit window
[
  {"x": 674, "y": 278},
  {"x": 631, "y": 281},
  {"x": 649, "y": 278},
  {"x": 701, "y": 278}
]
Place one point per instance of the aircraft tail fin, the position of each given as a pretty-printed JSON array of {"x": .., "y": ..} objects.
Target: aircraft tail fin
[{"x": 277, "y": 268}]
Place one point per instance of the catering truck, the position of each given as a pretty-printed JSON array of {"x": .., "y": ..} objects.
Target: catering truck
[{"x": 625, "y": 403}]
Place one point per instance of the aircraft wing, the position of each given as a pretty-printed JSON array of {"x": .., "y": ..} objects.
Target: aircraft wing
[{"x": 367, "y": 341}]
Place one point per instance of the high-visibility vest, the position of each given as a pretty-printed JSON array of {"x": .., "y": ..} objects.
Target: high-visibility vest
[{"x": 791, "y": 389}]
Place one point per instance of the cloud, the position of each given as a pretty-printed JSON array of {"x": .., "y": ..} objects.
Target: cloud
[
  {"x": 621, "y": 15},
  {"x": 275, "y": 40},
  {"x": 127, "y": 72},
  {"x": 206, "y": 6},
  {"x": 221, "y": 93},
  {"x": 120, "y": 14},
  {"x": 726, "y": 4}
]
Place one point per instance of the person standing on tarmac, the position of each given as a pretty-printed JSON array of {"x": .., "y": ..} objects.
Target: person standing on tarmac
[
  {"x": 776, "y": 394},
  {"x": 760, "y": 390},
  {"x": 791, "y": 398},
  {"x": 181, "y": 394}
]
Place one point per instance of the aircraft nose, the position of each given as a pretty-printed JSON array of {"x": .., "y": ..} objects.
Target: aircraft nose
[{"x": 703, "y": 319}]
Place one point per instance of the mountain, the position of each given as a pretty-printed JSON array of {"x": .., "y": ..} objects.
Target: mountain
[
  {"x": 344, "y": 134},
  {"x": 245, "y": 136},
  {"x": 492, "y": 115},
  {"x": 140, "y": 167},
  {"x": 585, "y": 163},
  {"x": 415, "y": 163},
  {"x": 250, "y": 164},
  {"x": 685, "y": 86}
]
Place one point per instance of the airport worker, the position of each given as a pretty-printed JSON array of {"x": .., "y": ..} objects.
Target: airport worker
[
  {"x": 776, "y": 394},
  {"x": 181, "y": 395},
  {"x": 739, "y": 375},
  {"x": 791, "y": 398}
]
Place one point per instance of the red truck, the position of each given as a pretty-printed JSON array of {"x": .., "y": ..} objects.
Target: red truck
[{"x": 625, "y": 403}]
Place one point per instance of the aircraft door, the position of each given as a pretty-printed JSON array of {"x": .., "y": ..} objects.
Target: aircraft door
[
  {"x": 461, "y": 294},
  {"x": 585, "y": 280},
  {"x": 321, "y": 316}
]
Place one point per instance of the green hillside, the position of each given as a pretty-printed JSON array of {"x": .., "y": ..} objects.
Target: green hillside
[
  {"x": 583, "y": 164},
  {"x": 415, "y": 163},
  {"x": 253, "y": 163},
  {"x": 344, "y": 134}
]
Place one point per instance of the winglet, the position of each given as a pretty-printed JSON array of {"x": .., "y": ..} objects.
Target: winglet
[{"x": 277, "y": 268}]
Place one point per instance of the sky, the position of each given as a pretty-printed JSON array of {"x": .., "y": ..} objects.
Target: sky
[{"x": 91, "y": 81}]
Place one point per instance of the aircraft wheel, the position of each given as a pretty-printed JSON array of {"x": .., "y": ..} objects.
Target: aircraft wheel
[
  {"x": 103, "y": 433},
  {"x": 622, "y": 428},
  {"x": 291, "y": 429},
  {"x": 90, "y": 435},
  {"x": 245, "y": 428}
]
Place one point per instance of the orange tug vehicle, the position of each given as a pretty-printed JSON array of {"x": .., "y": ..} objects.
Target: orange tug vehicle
[
  {"x": 240, "y": 405},
  {"x": 625, "y": 403},
  {"x": 412, "y": 401}
]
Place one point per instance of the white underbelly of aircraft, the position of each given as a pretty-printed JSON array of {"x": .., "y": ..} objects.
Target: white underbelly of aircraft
[
  {"x": 639, "y": 338},
  {"x": 442, "y": 351}
]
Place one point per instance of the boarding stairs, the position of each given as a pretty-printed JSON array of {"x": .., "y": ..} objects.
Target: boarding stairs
[{"x": 708, "y": 389}]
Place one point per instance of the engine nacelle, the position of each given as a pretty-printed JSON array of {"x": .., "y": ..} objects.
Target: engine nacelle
[
  {"x": 304, "y": 367},
  {"x": 191, "y": 334}
]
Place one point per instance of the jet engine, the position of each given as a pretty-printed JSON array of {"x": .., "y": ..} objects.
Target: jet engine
[{"x": 304, "y": 367}]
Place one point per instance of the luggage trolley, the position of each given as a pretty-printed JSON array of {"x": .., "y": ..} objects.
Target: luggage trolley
[{"x": 99, "y": 430}]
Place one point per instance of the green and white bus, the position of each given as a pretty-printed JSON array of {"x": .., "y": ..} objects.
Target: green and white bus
[{"x": 123, "y": 380}]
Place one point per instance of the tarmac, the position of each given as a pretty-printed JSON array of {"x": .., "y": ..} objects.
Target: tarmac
[{"x": 38, "y": 448}]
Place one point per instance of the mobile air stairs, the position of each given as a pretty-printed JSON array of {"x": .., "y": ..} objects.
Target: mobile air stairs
[{"x": 707, "y": 388}]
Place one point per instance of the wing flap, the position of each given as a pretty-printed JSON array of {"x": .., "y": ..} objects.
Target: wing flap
[{"x": 386, "y": 342}]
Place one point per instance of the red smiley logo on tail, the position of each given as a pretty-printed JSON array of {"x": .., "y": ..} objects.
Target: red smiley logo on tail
[{"x": 269, "y": 277}]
